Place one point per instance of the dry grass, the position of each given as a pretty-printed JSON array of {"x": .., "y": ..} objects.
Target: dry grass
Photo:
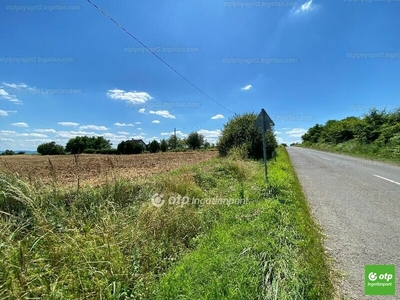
[{"x": 96, "y": 169}]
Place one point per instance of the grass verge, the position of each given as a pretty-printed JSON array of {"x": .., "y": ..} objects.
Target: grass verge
[{"x": 110, "y": 242}]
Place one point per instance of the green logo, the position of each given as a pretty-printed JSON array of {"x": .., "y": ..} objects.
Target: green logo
[{"x": 380, "y": 280}]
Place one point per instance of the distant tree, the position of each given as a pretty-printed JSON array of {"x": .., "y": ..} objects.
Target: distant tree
[
  {"x": 154, "y": 146},
  {"x": 207, "y": 145},
  {"x": 130, "y": 147},
  {"x": 8, "y": 152},
  {"x": 50, "y": 149},
  {"x": 240, "y": 132},
  {"x": 163, "y": 145},
  {"x": 284, "y": 145},
  {"x": 195, "y": 140},
  {"x": 21, "y": 153},
  {"x": 80, "y": 143},
  {"x": 173, "y": 142}
]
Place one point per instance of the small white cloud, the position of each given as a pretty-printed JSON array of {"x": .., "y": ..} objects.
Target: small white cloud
[
  {"x": 247, "y": 87},
  {"x": 12, "y": 98},
  {"x": 296, "y": 132},
  {"x": 93, "y": 127},
  {"x": 306, "y": 7},
  {"x": 45, "y": 130},
  {"x": 216, "y": 117},
  {"x": 139, "y": 129},
  {"x": 3, "y": 113},
  {"x": 20, "y": 124},
  {"x": 278, "y": 132},
  {"x": 123, "y": 125},
  {"x": 38, "y": 135},
  {"x": 155, "y": 122},
  {"x": 123, "y": 132},
  {"x": 142, "y": 110},
  {"x": 72, "y": 124},
  {"x": 132, "y": 97},
  {"x": 163, "y": 113},
  {"x": 138, "y": 123}
]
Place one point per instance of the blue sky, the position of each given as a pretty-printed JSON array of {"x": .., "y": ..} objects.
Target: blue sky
[{"x": 67, "y": 70}]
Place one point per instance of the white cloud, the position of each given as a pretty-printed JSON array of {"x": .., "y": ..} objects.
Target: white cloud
[
  {"x": 7, "y": 132},
  {"x": 123, "y": 125},
  {"x": 12, "y": 98},
  {"x": 163, "y": 113},
  {"x": 72, "y": 124},
  {"x": 20, "y": 124},
  {"x": 45, "y": 130},
  {"x": 216, "y": 117},
  {"x": 155, "y": 122},
  {"x": 138, "y": 123},
  {"x": 72, "y": 134},
  {"x": 142, "y": 110},
  {"x": 3, "y": 113},
  {"x": 93, "y": 127},
  {"x": 6, "y": 140},
  {"x": 247, "y": 87},
  {"x": 139, "y": 129},
  {"x": 138, "y": 137},
  {"x": 39, "y": 135},
  {"x": 278, "y": 132},
  {"x": 296, "y": 132},
  {"x": 210, "y": 134},
  {"x": 123, "y": 132},
  {"x": 308, "y": 6},
  {"x": 132, "y": 97},
  {"x": 178, "y": 133}
]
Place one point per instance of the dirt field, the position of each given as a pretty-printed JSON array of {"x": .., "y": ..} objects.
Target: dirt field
[{"x": 95, "y": 169}]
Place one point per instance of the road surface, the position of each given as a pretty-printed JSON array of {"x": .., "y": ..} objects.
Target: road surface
[{"x": 357, "y": 203}]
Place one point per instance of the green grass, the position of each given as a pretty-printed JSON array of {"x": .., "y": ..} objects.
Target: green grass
[
  {"x": 110, "y": 242},
  {"x": 354, "y": 148}
]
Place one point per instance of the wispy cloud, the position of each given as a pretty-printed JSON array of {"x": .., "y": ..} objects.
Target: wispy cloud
[
  {"x": 216, "y": 117},
  {"x": 3, "y": 113},
  {"x": 118, "y": 124},
  {"x": 93, "y": 127},
  {"x": 12, "y": 98},
  {"x": 132, "y": 97},
  {"x": 296, "y": 132},
  {"x": 142, "y": 110},
  {"x": 306, "y": 7},
  {"x": 45, "y": 130},
  {"x": 20, "y": 124},
  {"x": 247, "y": 87},
  {"x": 163, "y": 113},
  {"x": 155, "y": 122},
  {"x": 138, "y": 123},
  {"x": 72, "y": 124}
]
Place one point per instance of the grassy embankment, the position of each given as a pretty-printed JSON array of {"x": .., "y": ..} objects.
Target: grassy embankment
[
  {"x": 112, "y": 243},
  {"x": 357, "y": 149}
]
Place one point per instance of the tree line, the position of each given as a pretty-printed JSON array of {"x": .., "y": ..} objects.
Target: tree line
[
  {"x": 99, "y": 145},
  {"x": 374, "y": 131}
]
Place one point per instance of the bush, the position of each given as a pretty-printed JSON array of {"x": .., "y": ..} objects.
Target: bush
[
  {"x": 50, "y": 149},
  {"x": 154, "y": 146},
  {"x": 195, "y": 140},
  {"x": 240, "y": 132},
  {"x": 8, "y": 152},
  {"x": 163, "y": 145},
  {"x": 130, "y": 147},
  {"x": 108, "y": 151}
]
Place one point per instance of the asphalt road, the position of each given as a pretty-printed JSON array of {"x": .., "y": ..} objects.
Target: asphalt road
[{"x": 357, "y": 203}]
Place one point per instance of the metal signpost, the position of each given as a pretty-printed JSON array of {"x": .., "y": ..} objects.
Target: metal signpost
[{"x": 264, "y": 123}]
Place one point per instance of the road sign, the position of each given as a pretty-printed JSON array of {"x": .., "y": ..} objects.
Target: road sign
[{"x": 264, "y": 123}]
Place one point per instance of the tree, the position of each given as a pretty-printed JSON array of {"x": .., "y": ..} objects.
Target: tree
[
  {"x": 174, "y": 142},
  {"x": 50, "y": 149},
  {"x": 130, "y": 147},
  {"x": 195, "y": 140},
  {"x": 240, "y": 132},
  {"x": 8, "y": 152},
  {"x": 80, "y": 143},
  {"x": 163, "y": 145},
  {"x": 154, "y": 146}
]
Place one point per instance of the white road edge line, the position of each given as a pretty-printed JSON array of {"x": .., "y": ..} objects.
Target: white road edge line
[
  {"x": 325, "y": 158},
  {"x": 395, "y": 182}
]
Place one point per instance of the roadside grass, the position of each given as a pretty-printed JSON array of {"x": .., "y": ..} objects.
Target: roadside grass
[
  {"x": 356, "y": 149},
  {"x": 110, "y": 242},
  {"x": 269, "y": 248}
]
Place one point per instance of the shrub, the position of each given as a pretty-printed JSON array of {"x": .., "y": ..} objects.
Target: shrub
[{"x": 50, "y": 149}]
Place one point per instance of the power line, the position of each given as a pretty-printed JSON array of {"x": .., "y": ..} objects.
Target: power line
[{"x": 162, "y": 60}]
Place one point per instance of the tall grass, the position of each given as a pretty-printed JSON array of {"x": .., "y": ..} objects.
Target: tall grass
[{"x": 110, "y": 242}]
